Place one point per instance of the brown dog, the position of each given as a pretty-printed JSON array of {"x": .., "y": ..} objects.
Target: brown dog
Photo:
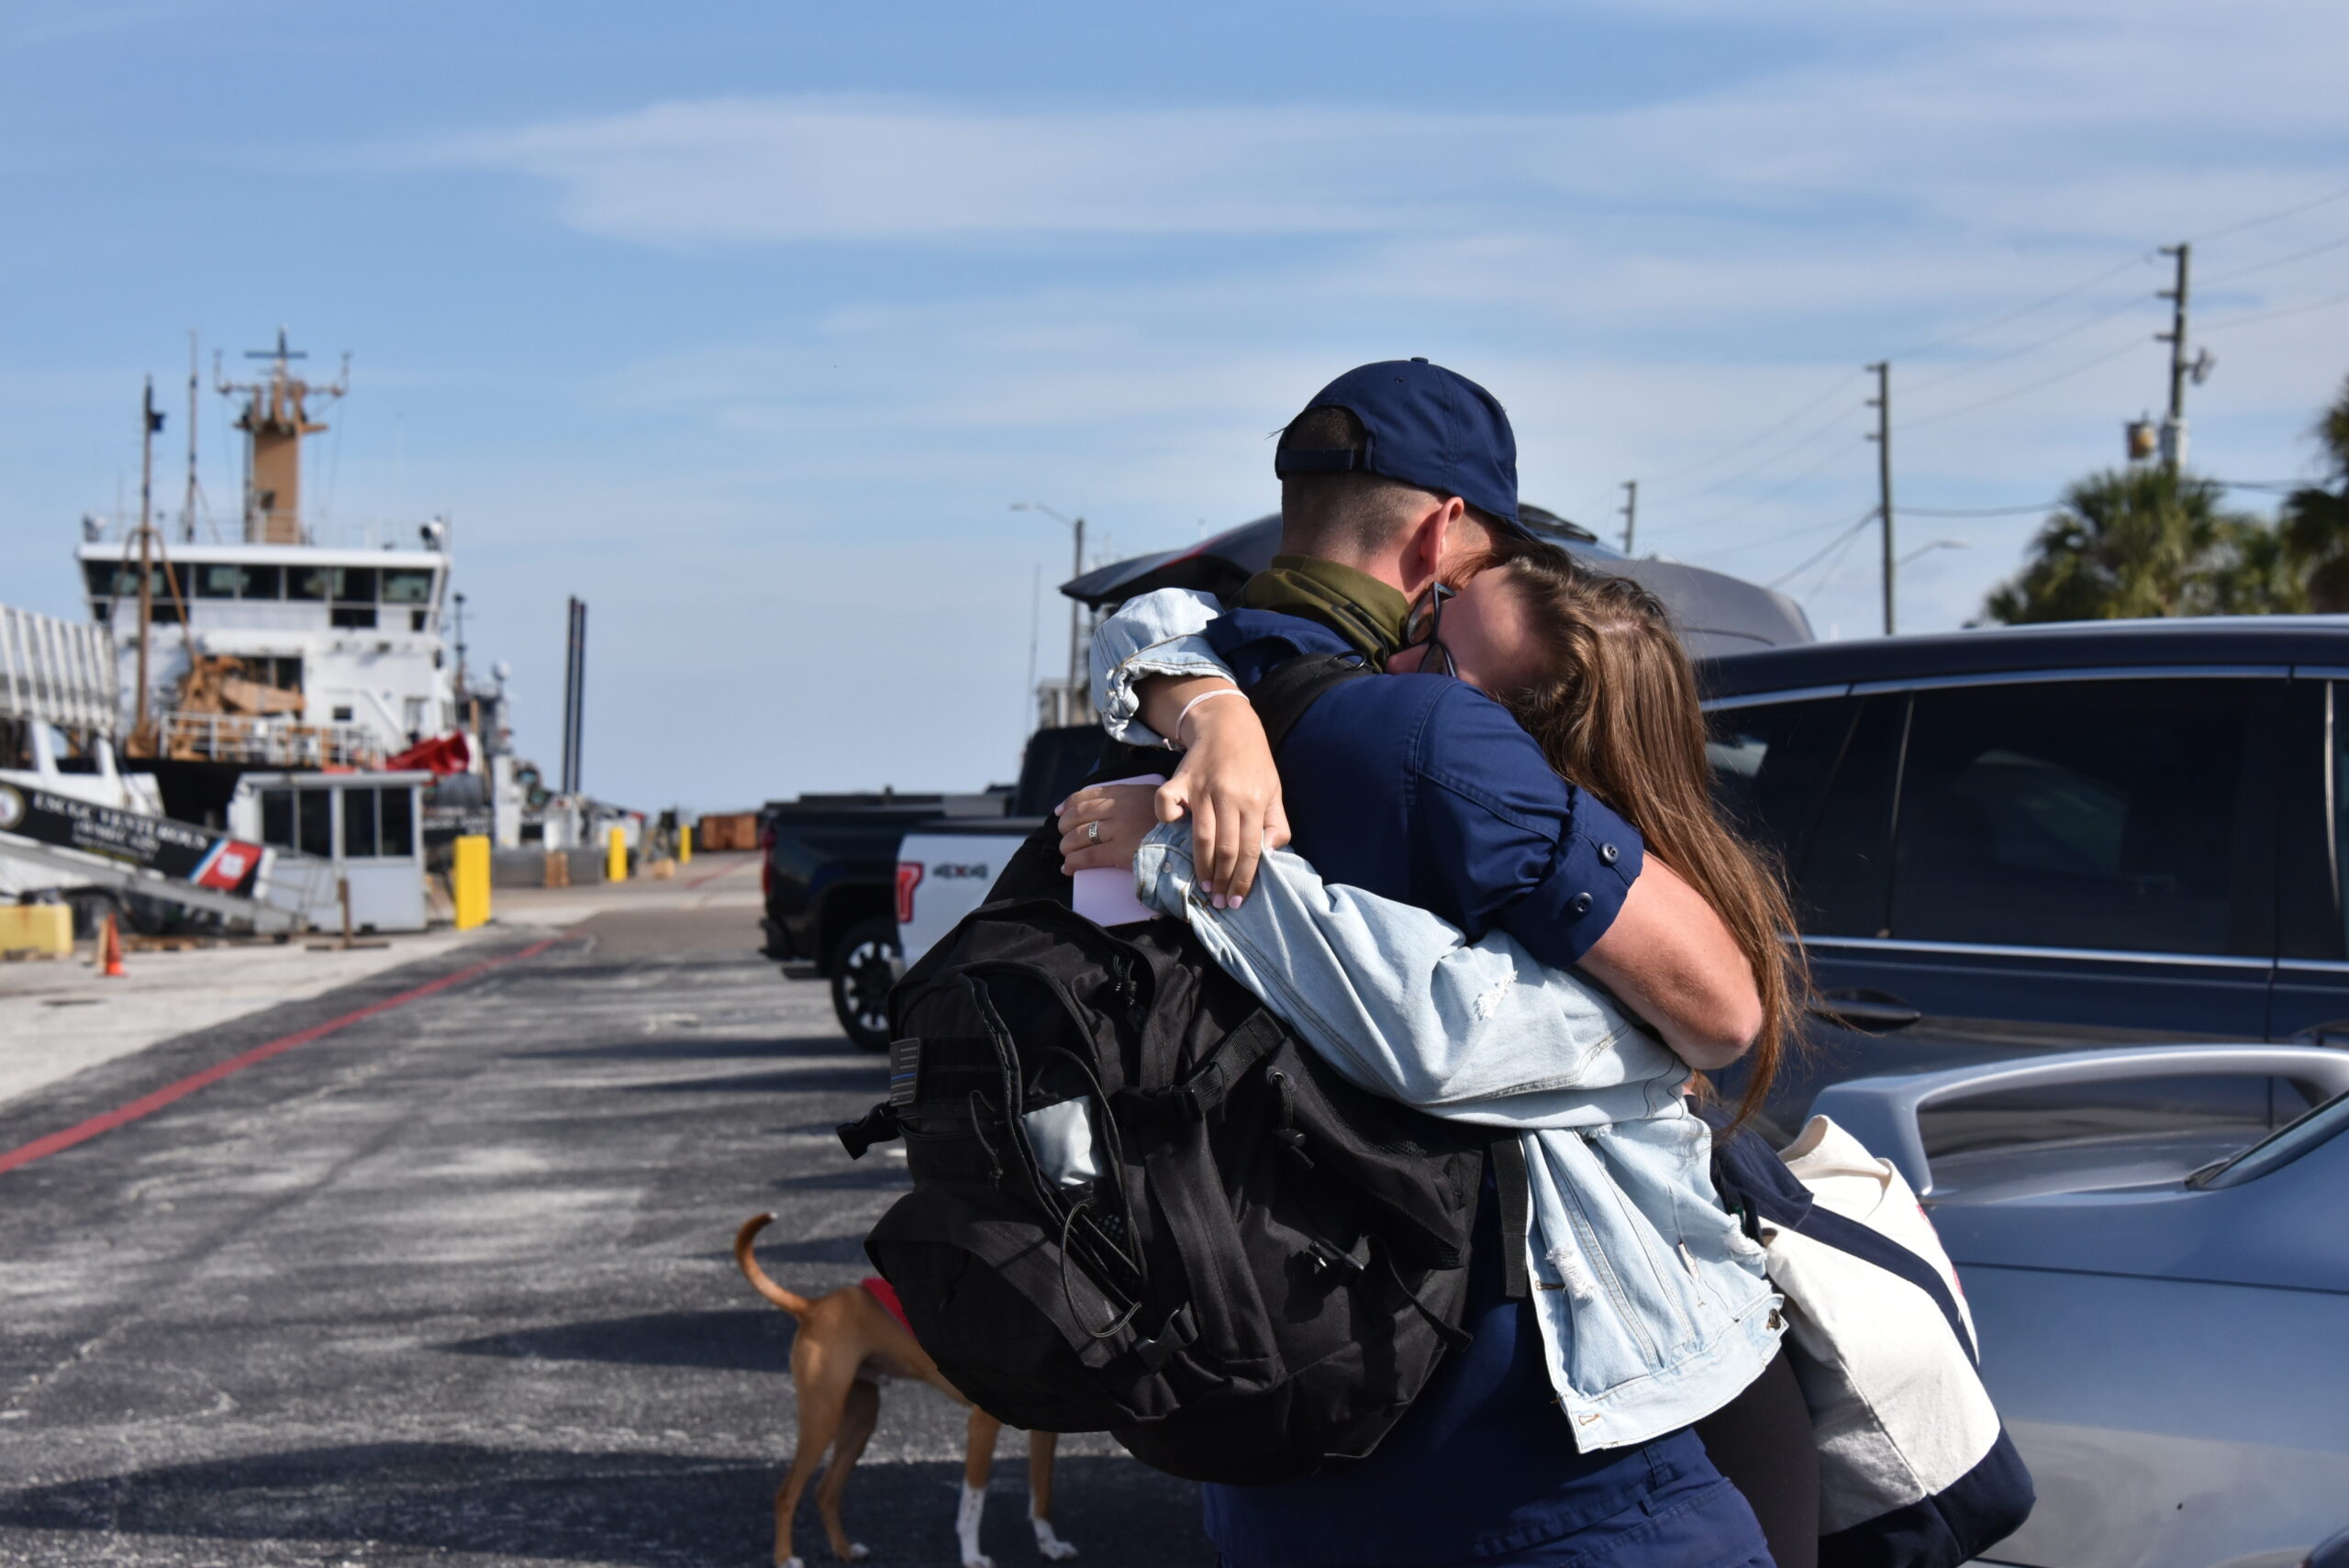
[{"x": 847, "y": 1342}]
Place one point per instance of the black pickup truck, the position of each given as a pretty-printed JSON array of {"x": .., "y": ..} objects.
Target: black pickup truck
[{"x": 829, "y": 870}]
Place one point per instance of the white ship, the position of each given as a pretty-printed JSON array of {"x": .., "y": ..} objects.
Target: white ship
[{"x": 283, "y": 644}]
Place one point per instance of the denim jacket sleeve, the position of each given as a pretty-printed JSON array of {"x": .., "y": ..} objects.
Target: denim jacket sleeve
[
  {"x": 1157, "y": 634},
  {"x": 1404, "y": 1005}
]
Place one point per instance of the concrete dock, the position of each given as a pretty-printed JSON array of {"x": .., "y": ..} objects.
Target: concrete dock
[{"x": 445, "y": 1279}]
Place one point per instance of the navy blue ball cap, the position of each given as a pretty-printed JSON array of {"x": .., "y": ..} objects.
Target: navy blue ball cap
[{"x": 1428, "y": 427}]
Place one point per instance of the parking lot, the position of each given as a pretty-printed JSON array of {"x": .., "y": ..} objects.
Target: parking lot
[{"x": 449, "y": 1283}]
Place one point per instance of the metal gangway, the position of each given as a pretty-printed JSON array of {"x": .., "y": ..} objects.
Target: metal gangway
[
  {"x": 62, "y": 674},
  {"x": 58, "y": 671}
]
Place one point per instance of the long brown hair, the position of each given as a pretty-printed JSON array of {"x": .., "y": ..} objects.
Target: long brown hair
[{"x": 1615, "y": 711}]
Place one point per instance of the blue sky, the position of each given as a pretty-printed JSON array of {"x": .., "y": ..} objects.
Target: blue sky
[{"x": 746, "y": 323}]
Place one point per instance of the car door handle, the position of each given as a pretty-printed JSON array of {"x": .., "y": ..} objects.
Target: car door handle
[{"x": 1869, "y": 1010}]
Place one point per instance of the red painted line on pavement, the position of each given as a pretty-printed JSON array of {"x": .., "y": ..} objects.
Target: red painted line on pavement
[
  {"x": 722, "y": 871},
  {"x": 148, "y": 1105}
]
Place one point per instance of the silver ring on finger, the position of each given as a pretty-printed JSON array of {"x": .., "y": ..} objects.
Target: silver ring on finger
[{"x": 1093, "y": 832}]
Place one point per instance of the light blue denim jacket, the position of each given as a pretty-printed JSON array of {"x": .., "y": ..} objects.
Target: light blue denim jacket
[{"x": 1653, "y": 1304}]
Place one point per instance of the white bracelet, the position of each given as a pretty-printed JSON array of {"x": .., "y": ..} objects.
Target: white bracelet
[{"x": 1175, "y": 742}]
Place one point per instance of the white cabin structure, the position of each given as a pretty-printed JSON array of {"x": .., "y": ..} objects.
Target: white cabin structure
[{"x": 337, "y": 653}]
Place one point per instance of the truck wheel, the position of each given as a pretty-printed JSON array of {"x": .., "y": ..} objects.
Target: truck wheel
[{"x": 865, "y": 964}]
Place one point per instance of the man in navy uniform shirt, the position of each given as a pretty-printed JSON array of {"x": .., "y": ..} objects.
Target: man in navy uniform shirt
[{"x": 1394, "y": 477}]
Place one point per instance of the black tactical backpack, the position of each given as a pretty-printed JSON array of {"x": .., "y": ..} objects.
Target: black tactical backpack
[{"x": 1259, "y": 1264}]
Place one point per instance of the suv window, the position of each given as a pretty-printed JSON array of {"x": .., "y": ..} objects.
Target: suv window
[
  {"x": 1810, "y": 781},
  {"x": 1771, "y": 759},
  {"x": 2077, "y": 813}
]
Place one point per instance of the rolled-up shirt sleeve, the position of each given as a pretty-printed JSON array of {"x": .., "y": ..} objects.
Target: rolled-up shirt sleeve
[
  {"x": 1157, "y": 634},
  {"x": 1511, "y": 844}
]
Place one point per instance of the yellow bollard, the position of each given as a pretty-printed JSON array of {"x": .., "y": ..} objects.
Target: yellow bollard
[
  {"x": 44, "y": 928},
  {"x": 684, "y": 843},
  {"x": 470, "y": 882},
  {"x": 615, "y": 856}
]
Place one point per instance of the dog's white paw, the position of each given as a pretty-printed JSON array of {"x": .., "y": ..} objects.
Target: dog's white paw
[
  {"x": 1049, "y": 1546},
  {"x": 791, "y": 1562},
  {"x": 858, "y": 1552},
  {"x": 978, "y": 1561}
]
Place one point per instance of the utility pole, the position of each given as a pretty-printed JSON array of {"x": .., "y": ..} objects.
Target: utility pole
[
  {"x": 2174, "y": 426},
  {"x": 1882, "y": 404},
  {"x": 187, "y": 507},
  {"x": 1631, "y": 511},
  {"x": 149, "y": 423}
]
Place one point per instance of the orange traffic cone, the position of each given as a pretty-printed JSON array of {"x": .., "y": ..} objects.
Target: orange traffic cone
[{"x": 110, "y": 950}]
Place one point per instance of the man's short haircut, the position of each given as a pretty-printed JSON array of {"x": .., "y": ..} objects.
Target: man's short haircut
[{"x": 1340, "y": 515}]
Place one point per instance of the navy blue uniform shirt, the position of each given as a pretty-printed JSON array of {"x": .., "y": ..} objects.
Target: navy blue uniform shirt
[{"x": 1424, "y": 789}]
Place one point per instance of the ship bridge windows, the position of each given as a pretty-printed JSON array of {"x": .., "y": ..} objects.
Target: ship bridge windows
[
  {"x": 108, "y": 580},
  {"x": 355, "y": 596},
  {"x": 236, "y": 581},
  {"x": 352, "y": 593}
]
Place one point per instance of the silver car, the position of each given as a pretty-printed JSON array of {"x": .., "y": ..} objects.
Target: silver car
[{"x": 2164, "y": 1315}]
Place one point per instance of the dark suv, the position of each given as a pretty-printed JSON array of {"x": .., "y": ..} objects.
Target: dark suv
[{"x": 2043, "y": 838}]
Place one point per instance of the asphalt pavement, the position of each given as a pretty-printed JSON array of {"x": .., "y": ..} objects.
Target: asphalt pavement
[{"x": 448, "y": 1282}]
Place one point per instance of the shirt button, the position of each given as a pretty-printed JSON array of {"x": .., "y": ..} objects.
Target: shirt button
[
  {"x": 1607, "y": 854},
  {"x": 1581, "y": 905}
]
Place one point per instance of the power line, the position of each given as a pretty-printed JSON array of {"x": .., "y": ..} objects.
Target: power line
[
  {"x": 1768, "y": 539},
  {"x": 2271, "y": 217},
  {"x": 1975, "y": 511},
  {"x": 2278, "y": 262},
  {"x": 1767, "y": 463},
  {"x": 2033, "y": 347},
  {"x": 1750, "y": 443},
  {"x": 1846, "y": 537},
  {"x": 2276, "y": 314},
  {"x": 1750, "y": 503},
  {"x": 2104, "y": 359},
  {"x": 2021, "y": 311},
  {"x": 1829, "y": 573}
]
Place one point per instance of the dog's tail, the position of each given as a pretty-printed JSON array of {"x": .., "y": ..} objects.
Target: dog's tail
[{"x": 744, "y": 1240}]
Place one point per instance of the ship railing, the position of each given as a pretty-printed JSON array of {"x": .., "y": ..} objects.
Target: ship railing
[
  {"x": 267, "y": 742},
  {"x": 340, "y": 533}
]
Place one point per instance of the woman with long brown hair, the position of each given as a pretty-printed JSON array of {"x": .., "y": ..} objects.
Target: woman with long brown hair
[
  {"x": 1400, "y": 1001},
  {"x": 1614, "y": 710}
]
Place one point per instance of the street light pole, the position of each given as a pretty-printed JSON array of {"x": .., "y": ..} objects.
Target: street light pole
[{"x": 1076, "y": 569}]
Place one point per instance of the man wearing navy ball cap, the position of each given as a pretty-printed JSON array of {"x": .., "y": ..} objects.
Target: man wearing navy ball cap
[{"x": 1396, "y": 476}]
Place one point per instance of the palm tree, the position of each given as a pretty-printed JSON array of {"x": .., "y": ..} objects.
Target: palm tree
[
  {"x": 2145, "y": 542},
  {"x": 2316, "y": 519}
]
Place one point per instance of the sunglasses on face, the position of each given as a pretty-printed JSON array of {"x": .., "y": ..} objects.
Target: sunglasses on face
[{"x": 1423, "y": 629}]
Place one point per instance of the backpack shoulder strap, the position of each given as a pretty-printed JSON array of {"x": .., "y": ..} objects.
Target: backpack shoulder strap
[
  {"x": 1294, "y": 684},
  {"x": 1513, "y": 1186}
]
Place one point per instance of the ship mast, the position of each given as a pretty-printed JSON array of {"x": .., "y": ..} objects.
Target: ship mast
[
  {"x": 187, "y": 508},
  {"x": 149, "y": 421},
  {"x": 275, "y": 419}
]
